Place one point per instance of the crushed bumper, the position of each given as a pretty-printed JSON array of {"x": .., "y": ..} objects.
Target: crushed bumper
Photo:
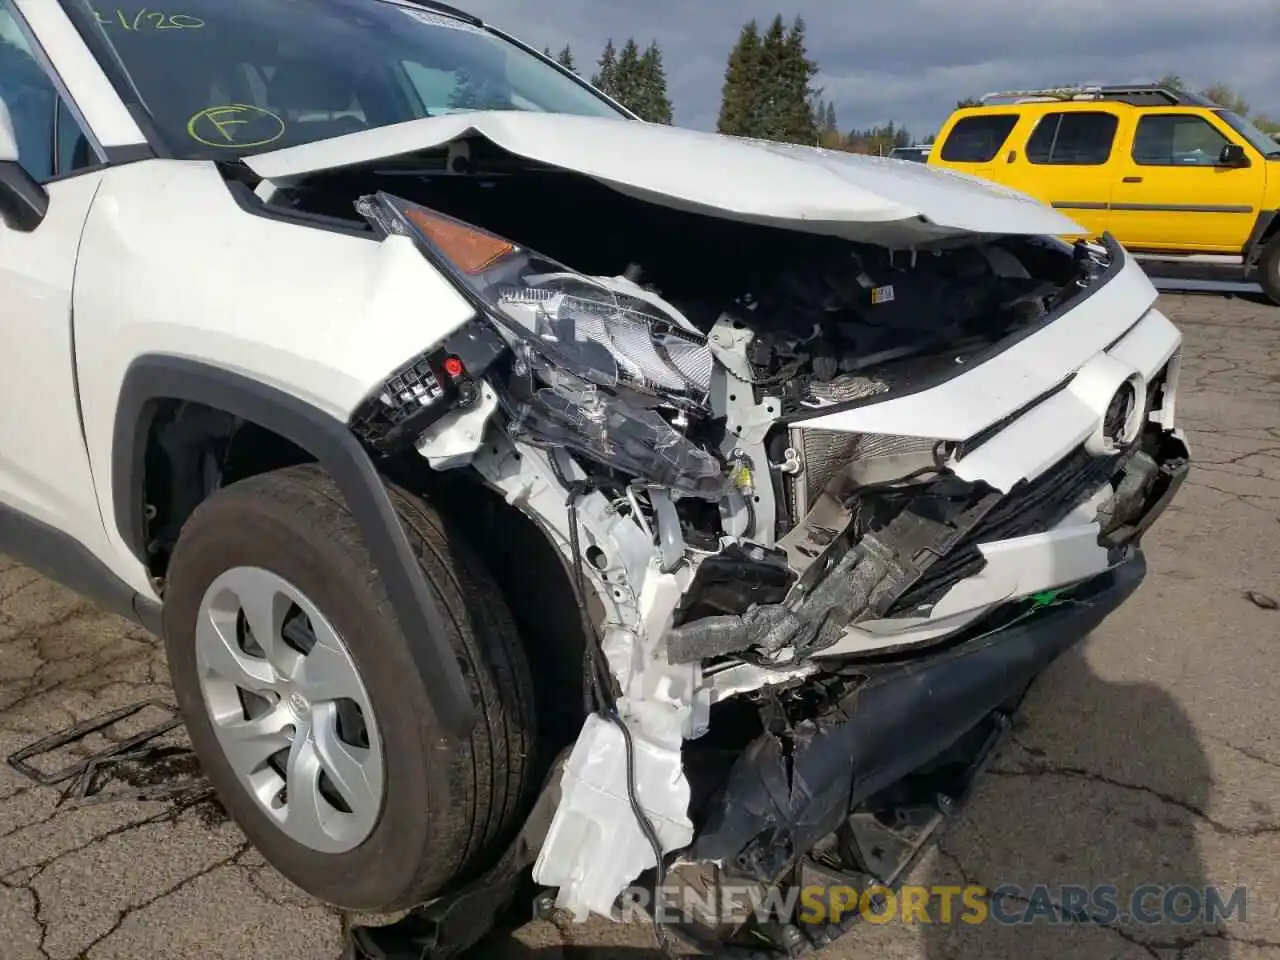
[{"x": 781, "y": 799}]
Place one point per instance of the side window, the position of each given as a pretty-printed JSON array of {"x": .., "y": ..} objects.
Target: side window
[
  {"x": 1177, "y": 140},
  {"x": 50, "y": 140},
  {"x": 29, "y": 95},
  {"x": 1074, "y": 138},
  {"x": 74, "y": 152},
  {"x": 978, "y": 139}
]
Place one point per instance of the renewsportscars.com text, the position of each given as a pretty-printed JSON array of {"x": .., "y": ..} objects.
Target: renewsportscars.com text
[{"x": 1008, "y": 904}]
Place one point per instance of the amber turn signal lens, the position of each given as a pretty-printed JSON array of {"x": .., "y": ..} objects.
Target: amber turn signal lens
[{"x": 471, "y": 251}]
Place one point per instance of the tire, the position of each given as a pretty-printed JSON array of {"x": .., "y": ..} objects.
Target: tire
[
  {"x": 445, "y": 807},
  {"x": 1269, "y": 269}
]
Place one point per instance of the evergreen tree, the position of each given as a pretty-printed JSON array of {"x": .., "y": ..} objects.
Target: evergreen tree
[
  {"x": 739, "y": 101},
  {"x": 565, "y": 59},
  {"x": 792, "y": 119},
  {"x": 768, "y": 92},
  {"x": 628, "y": 83},
  {"x": 655, "y": 105},
  {"x": 606, "y": 77},
  {"x": 829, "y": 123},
  {"x": 771, "y": 101}
]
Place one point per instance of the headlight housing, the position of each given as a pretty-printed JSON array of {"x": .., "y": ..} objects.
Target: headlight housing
[{"x": 595, "y": 366}]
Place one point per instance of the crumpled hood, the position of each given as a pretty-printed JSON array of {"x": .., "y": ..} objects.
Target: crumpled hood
[{"x": 891, "y": 202}]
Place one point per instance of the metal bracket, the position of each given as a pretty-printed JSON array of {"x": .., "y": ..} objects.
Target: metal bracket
[{"x": 18, "y": 761}]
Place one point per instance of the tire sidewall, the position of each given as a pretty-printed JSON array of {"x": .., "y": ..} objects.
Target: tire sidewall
[
  {"x": 377, "y": 874},
  {"x": 1269, "y": 269}
]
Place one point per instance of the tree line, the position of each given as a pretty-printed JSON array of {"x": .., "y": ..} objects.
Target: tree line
[
  {"x": 636, "y": 80},
  {"x": 768, "y": 91}
]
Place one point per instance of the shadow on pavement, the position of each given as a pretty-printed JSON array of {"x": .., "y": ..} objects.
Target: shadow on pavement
[{"x": 1101, "y": 784}]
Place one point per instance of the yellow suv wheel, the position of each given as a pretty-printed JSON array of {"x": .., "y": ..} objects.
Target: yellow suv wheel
[{"x": 1269, "y": 269}]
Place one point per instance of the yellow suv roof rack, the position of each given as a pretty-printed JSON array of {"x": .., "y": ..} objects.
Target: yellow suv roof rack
[{"x": 1138, "y": 95}]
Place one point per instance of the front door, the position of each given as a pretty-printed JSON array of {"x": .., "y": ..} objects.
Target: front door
[
  {"x": 44, "y": 465},
  {"x": 1173, "y": 193}
]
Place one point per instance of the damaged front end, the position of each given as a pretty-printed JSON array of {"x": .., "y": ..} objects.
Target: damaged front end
[{"x": 831, "y": 526}]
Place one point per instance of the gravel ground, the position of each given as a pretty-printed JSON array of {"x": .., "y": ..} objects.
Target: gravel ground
[{"x": 1150, "y": 755}]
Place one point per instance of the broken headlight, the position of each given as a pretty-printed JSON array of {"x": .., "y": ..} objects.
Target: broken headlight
[{"x": 601, "y": 369}]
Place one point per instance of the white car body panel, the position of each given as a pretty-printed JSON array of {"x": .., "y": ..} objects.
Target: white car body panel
[
  {"x": 1057, "y": 425},
  {"x": 44, "y": 469},
  {"x": 320, "y": 315},
  {"x": 800, "y": 188}
]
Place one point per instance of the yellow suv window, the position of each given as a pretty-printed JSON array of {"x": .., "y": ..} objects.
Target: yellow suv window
[
  {"x": 1177, "y": 140},
  {"x": 978, "y": 139},
  {"x": 1078, "y": 138}
]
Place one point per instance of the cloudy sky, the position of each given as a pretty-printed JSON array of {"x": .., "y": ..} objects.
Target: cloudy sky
[{"x": 910, "y": 60}]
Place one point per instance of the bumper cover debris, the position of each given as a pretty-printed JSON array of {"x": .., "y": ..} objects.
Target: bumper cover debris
[{"x": 782, "y": 798}]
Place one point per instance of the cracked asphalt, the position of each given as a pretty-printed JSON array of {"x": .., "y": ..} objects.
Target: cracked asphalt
[{"x": 1151, "y": 755}]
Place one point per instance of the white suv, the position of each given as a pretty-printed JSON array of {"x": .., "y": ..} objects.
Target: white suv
[{"x": 463, "y": 434}]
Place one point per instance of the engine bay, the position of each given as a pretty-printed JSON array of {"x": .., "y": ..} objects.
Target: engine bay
[{"x": 821, "y": 310}]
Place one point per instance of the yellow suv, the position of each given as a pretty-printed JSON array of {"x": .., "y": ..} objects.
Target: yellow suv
[{"x": 1168, "y": 174}]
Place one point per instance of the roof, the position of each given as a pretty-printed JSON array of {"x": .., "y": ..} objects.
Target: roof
[{"x": 1136, "y": 95}]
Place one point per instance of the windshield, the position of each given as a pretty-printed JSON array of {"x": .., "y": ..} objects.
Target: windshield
[
  {"x": 226, "y": 78},
  {"x": 1264, "y": 144}
]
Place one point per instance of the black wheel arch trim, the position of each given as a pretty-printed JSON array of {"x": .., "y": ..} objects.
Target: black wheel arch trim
[
  {"x": 1265, "y": 227},
  {"x": 163, "y": 377}
]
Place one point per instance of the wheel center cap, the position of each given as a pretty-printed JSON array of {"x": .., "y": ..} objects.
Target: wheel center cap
[{"x": 299, "y": 705}]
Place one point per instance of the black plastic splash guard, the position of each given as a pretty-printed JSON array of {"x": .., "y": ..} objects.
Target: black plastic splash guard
[{"x": 775, "y": 807}]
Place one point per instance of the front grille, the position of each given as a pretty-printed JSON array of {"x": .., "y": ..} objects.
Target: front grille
[{"x": 1031, "y": 507}]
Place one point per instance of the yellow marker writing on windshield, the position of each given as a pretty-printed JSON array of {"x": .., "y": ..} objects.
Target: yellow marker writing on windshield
[
  {"x": 144, "y": 19},
  {"x": 224, "y": 126}
]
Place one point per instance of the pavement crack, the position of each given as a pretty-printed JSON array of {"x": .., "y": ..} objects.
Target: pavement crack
[
  {"x": 1038, "y": 766},
  {"x": 1033, "y": 769},
  {"x": 168, "y": 815},
  {"x": 125, "y": 914},
  {"x": 37, "y": 913},
  {"x": 1245, "y": 752},
  {"x": 25, "y": 585}
]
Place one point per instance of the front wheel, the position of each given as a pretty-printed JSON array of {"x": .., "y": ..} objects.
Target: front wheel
[
  {"x": 306, "y": 707},
  {"x": 1269, "y": 269}
]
